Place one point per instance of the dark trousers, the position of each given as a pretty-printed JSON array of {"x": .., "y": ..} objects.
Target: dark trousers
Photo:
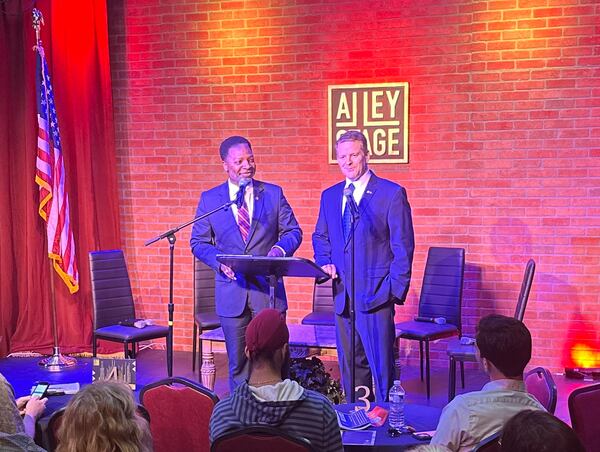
[
  {"x": 374, "y": 350},
  {"x": 234, "y": 331}
]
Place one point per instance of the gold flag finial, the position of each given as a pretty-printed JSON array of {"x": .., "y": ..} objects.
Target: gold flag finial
[{"x": 38, "y": 21}]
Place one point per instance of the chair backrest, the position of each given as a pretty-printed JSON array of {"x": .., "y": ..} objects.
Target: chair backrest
[
  {"x": 54, "y": 424},
  {"x": 525, "y": 289},
  {"x": 489, "y": 444},
  {"x": 204, "y": 288},
  {"x": 584, "y": 409},
  {"x": 323, "y": 297},
  {"x": 180, "y": 411},
  {"x": 441, "y": 293},
  {"x": 540, "y": 384},
  {"x": 260, "y": 439},
  {"x": 111, "y": 288}
]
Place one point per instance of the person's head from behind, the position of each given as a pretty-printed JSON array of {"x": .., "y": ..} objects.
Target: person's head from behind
[
  {"x": 267, "y": 338},
  {"x": 352, "y": 154},
  {"x": 504, "y": 346},
  {"x": 102, "y": 417},
  {"x": 539, "y": 431},
  {"x": 238, "y": 159}
]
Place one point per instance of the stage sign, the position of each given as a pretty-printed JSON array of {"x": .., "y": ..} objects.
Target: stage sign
[
  {"x": 114, "y": 369},
  {"x": 379, "y": 111}
]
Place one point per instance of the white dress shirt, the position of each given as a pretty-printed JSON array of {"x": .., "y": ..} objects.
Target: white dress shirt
[
  {"x": 248, "y": 196},
  {"x": 360, "y": 186}
]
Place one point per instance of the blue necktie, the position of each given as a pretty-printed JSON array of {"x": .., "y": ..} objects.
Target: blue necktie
[{"x": 347, "y": 218}]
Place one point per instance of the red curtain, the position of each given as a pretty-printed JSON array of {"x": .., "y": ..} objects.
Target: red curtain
[{"x": 75, "y": 38}]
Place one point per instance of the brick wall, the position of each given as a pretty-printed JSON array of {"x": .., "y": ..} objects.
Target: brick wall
[{"x": 504, "y": 137}]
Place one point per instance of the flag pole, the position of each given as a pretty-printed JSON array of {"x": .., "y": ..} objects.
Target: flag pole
[{"x": 57, "y": 361}]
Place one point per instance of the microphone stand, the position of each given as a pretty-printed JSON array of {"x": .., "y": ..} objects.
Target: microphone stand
[
  {"x": 353, "y": 219},
  {"x": 170, "y": 236}
]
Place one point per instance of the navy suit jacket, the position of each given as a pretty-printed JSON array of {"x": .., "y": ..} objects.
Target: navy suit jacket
[
  {"x": 384, "y": 244},
  {"x": 273, "y": 223}
]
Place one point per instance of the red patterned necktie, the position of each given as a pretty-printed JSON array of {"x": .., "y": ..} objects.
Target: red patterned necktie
[{"x": 244, "y": 220}]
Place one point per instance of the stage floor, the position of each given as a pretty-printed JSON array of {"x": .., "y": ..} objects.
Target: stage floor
[{"x": 22, "y": 373}]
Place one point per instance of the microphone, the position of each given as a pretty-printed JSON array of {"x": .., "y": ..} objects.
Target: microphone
[
  {"x": 239, "y": 198},
  {"x": 350, "y": 200},
  {"x": 438, "y": 320}
]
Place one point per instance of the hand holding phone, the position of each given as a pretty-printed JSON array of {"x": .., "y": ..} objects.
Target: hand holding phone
[{"x": 40, "y": 389}]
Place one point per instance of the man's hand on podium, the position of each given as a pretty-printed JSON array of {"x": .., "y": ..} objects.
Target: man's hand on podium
[
  {"x": 276, "y": 252},
  {"x": 227, "y": 271},
  {"x": 330, "y": 270}
]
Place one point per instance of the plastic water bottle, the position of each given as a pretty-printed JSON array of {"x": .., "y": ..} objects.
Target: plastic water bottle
[{"x": 396, "y": 414}]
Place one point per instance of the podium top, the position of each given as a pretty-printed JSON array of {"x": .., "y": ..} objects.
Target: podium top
[{"x": 273, "y": 266}]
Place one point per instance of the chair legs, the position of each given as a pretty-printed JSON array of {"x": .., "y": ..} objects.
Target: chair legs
[
  {"x": 421, "y": 357},
  {"x": 427, "y": 366},
  {"x": 169, "y": 355},
  {"x": 131, "y": 353},
  {"x": 427, "y": 370},
  {"x": 194, "y": 341},
  {"x": 199, "y": 357},
  {"x": 452, "y": 378}
]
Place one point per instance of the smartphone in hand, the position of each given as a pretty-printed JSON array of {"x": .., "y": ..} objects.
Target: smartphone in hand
[{"x": 40, "y": 389}]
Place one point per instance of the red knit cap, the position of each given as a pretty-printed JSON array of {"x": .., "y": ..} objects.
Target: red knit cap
[{"x": 266, "y": 332}]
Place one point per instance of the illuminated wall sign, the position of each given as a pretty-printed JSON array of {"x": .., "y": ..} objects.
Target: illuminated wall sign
[{"x": 379, "y": 111}]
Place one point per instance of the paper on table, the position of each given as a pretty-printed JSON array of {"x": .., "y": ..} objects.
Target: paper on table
[
  {"x": 61, "y": 388},
  {"x": 358, "y": 437}
]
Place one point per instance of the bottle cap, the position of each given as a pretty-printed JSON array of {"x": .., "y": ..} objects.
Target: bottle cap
[{"x": 396, "y": 382}]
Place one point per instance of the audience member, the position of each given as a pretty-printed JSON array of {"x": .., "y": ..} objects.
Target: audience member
[
  {"x": 16, "y": 433},
  {"x": 267, "y": 399},
  {"x": 538, "y": 431},
  {"x": 102, "y": 417},
  {"x": 504, "y": 349}
]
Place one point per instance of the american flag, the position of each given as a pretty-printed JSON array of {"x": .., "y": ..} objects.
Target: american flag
[{"x": 50, "y": 176}]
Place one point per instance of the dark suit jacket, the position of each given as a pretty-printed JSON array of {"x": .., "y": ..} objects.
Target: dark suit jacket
[
  {"x": 273, "y": 223},
  {"x": 384, "y": 244}
]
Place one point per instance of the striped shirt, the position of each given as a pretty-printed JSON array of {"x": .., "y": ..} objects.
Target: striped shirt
[{"x": 311, "y": 417}]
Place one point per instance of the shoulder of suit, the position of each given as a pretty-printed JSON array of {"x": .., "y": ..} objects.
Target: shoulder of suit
[
  {"x": 216, "y": 189},
  {"x": 266, "y": 186},
  {"x": 334, "y": 188},
  {"x": 386, "y": 183}
]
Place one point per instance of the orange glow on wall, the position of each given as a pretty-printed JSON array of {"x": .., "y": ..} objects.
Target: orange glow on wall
[
  {"x": 584, "y": 356},
  {"x": 582, "y": 345}
]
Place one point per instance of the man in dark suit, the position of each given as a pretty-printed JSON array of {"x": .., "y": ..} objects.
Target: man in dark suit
[
  {"x": 384, "y": 242},
  {"x": 263, "y": 225}
]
